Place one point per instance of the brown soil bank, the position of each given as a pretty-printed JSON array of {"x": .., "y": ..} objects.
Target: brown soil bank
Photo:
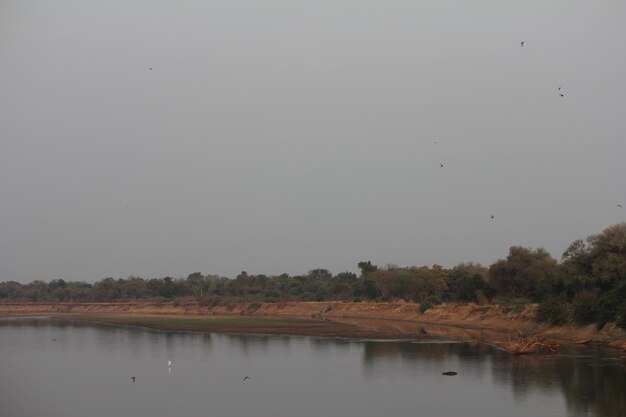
[{"x": 489, "y": 323}]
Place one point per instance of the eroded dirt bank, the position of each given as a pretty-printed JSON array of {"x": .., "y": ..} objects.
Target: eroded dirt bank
[{"x": 488, "y": 323}]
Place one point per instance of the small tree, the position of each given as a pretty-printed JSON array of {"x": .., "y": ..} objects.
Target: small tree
[
  {"x": 366, "y": 267},
  {"x": 340, "y": 291}
]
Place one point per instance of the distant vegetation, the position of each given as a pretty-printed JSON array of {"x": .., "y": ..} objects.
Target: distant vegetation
[{"x": 588, "y": 285}]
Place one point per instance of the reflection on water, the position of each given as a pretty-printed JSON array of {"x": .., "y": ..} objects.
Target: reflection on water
[{"x": 70, "y": 368}]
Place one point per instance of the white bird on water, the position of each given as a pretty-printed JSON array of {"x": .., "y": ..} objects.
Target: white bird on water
[{"x": 169, "y": 363}]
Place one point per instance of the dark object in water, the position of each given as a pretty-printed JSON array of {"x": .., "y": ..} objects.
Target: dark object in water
[{"x": 449, "y": 373}]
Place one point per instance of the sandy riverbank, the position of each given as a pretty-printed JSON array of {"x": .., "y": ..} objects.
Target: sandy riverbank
[{"x": 487, "y": 323}]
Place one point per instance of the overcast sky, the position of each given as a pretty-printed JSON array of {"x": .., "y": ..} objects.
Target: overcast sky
[{"x": 281, "y": 136}]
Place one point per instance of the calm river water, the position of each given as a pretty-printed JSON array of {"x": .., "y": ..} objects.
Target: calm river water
[{"x": 65, "y": 369}]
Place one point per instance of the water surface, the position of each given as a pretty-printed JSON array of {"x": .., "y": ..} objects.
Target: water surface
[{"x": 63, "y": 368}]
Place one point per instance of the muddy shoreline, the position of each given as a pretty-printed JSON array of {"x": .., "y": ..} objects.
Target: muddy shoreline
[{"x": 493, "y": 324}]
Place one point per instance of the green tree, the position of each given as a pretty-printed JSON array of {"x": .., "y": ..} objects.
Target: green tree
[
  {"x": 610, "y": 304},
  {"x": 319, "y": 274},
  {"x": 154, "y": 286},
  {"x": 340, "y": 291},
  {"x": 521, "y": 272},
  {"x": 79, "y": 291},
  {"x": 467, "y": 282},
  {"x": 584, "y": 305},
  {"x": 196, "y": 281},
  {"x": 11, "y": 290},
  {"x": 167, "y": 289},
  {"x": 366, "y": 267},
  {"x": 106, "y": 290},
  {"x": 347, "y": 277},
  {"x": 598, "y": 261},
  {"x": 58, "y": 290},
  {"x": 134, "y": 288},
  {"x": 552, "y": 310}
]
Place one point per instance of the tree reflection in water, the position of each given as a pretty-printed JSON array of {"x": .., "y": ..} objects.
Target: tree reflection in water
[{"x": 591, "y": 379}]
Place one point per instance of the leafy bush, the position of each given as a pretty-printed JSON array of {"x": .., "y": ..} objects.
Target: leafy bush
[
  {"x": 434, "y": 299},
  {"x": 430, "y": 302},
  {"x": 552, "y": 310},
  {"x": 585, "y": 308},
  {"x": 469, "y": 287},
  {"x": 609, "y": 303},
  {"x": 272, "y": 296},
  {"x": 425, "y": 306},
  {"x": 621, "y": 316}
]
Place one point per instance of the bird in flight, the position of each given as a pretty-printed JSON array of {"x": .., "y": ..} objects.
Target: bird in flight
[
  {"x": 620, "y": 206},
  {"x": 133, "y": 378},
  {"x": 441, "y": 165},
  {"x": 150, "y": 68},
  {"x": 492, "y": 216},
  {"x": 522, "y": 43},
  {"x": 245, "y": 377}
]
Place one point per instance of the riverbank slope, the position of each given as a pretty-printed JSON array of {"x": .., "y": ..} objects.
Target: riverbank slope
[{"x": 487, "y": 323}]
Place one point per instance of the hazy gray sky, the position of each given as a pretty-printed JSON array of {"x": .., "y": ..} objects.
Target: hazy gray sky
[{"x": 284, "y": 135}]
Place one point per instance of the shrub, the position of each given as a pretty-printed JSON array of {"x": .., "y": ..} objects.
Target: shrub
[
  {"x": 621, "y": 316},
  {"x": 272, "y": 294},
  {"x": 552, "y": 310},
  {"x": 434, "y": 299},
  {"x": 584, "y": 308},
  {"x": 608, "y": 304},
  {"x": 425, "y": 306}
]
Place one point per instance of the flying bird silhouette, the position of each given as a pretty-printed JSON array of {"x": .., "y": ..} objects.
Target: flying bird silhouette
[
  {"x": 522, "y": 43},
  {"x": 492, "y": 216},
  {"x": 245, "y": 377},
  {"x": 620, "y": 206},
  {"x": 133, "y": 378},
  {"x": 441, "y": 165}
]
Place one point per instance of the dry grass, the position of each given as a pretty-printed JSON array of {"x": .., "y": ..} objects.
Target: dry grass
[{"x": 535, "y": 344}]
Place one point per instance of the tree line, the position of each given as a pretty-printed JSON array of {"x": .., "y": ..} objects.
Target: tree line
[{"x": 588, "y": 285}]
